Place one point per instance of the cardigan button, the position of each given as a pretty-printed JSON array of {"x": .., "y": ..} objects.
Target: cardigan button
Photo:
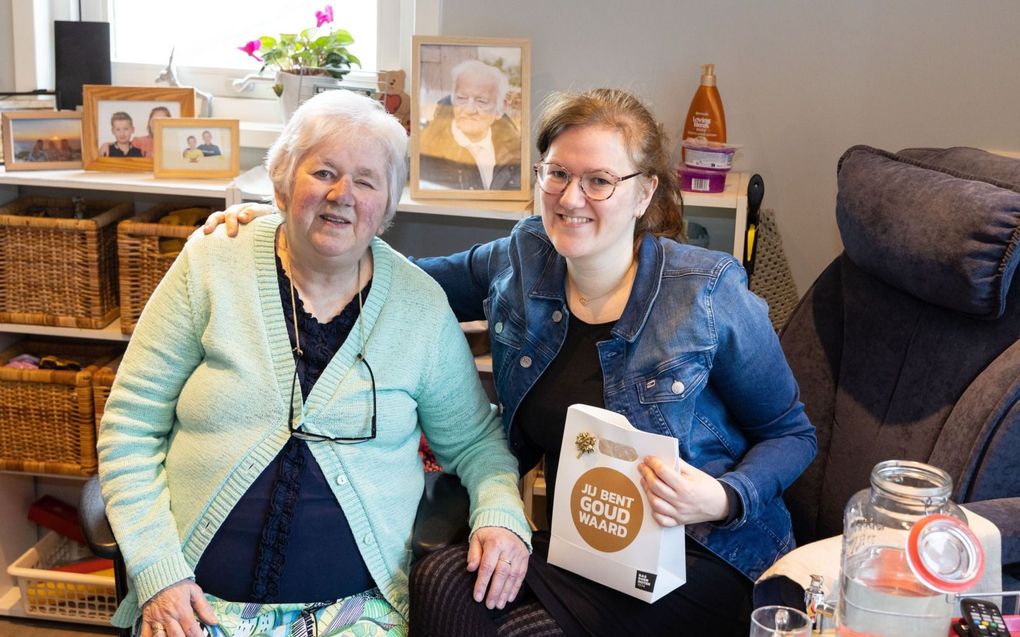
[
  {"x": 557, "y": 316},
  {"x": 341, "y": 480},
  {"x": 499, "y": 327},
  {"x": 677, "y": 387},
  {"x": 369, "y": 539}
]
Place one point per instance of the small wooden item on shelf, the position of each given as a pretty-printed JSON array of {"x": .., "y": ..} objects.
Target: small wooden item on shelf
[
  {"x": 47, "y": 422},
  {"x": 58, "y": 261}
]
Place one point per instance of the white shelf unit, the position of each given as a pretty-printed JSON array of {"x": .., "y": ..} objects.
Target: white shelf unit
[{"x": 19, "y": 490}]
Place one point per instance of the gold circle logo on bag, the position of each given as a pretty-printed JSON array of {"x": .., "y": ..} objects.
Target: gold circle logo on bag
[{"x": 607, "y": 509}]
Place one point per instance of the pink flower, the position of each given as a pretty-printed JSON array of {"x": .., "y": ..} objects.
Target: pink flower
[
  {"x": 324, "y": 17},
  {"x": 251, "y": 47}
]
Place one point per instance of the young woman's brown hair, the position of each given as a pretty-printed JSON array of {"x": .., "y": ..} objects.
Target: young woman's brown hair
[{"x": 645, "y": 138}]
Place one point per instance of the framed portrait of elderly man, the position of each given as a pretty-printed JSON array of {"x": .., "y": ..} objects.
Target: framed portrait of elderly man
[{"x": 469, "y": 118}]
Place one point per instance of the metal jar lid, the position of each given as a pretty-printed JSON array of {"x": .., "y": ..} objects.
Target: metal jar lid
[{"x": 944, "y": 554}]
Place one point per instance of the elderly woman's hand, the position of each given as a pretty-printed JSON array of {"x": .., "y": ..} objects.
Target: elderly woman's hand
[
  {"x": 501, "y": 559},
  {"x": 238, "y": 214},
  {"x": 171, "y": 612},
  {"x": 685, "y": 495}
]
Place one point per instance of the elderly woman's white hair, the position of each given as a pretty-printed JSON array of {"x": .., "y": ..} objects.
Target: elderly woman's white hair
[
  {"x": 477, "y": 68},
  {"x": 333, "y": 117}
]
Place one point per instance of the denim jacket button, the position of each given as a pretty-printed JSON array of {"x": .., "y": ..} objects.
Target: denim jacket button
[
  {"x": 677, "y": 387},
  {"x": 525, "y": 362},
  {"x": 557, "y": 316},
  {"x": 499, "y": 327},
  {"x": 650, "y": 384}
]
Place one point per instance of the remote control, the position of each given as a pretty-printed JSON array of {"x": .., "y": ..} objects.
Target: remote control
[{"x": 983, "y": 618}]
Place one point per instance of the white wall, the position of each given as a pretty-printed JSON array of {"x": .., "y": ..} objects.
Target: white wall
[{"x": 801, "y": 80}]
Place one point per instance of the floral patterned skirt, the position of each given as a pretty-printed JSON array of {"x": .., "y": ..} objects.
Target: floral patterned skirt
[{"x": 366, "y": 614}]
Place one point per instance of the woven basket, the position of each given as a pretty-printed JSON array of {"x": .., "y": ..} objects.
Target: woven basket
[
  {"x": 142, "y": 264},
  {"x": 46, "y": 416},
  {"x": 772, "y": 278},
  {"x": 56, "y": 271},
  {"x": 102, "y": 381}
]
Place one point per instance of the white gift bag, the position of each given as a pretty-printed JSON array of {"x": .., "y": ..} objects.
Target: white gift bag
[{"x": 602, "y": 526}]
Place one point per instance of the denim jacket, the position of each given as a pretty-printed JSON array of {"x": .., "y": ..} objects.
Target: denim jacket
[{"x": 692, "y": 356}]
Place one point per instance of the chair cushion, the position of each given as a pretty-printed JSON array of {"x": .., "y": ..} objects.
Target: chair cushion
[{"x": 957, "y": 245}]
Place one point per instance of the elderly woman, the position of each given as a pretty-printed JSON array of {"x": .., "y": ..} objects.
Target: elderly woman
[
  {"x": 284, "y": 506},
  {"x": 595, "y": 301}
]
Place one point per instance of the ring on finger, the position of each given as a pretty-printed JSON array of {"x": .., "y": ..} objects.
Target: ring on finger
[
  {"x": 508, "y": 562},
  {"x": 157, "y": 627}
]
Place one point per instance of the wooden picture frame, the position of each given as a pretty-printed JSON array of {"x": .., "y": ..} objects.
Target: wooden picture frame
[
  {"x": 42, "y": 140},
  {"x": 196, "y": 147},
  {"x": 470, "y": 128},
  {"x": 25, "y": 101},
  {"x": 130, "y": 110}
]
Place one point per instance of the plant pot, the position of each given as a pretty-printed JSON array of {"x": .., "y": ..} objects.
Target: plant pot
[{"x": 296, "y": 88}]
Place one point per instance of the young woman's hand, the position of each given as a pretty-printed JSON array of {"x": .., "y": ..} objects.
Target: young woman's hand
[
  {"x": 238, "y": 214},
  {"x": 501, "y": 559},
  {"x": 682, "y": 495}
]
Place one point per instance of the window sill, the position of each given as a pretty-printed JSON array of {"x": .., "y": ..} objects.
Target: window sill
[{"x": 259, "y": 135}]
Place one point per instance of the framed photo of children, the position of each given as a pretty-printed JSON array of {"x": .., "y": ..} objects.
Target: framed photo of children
[
  {"x": 196, "y": 147},
  {"x": 469, "y": 118},
  {"x": 42, "y": 140},
  {"x": 117, "y": 123}
]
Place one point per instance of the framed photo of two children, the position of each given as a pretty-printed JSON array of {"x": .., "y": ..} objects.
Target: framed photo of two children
[{"x": 117, "y": 123}]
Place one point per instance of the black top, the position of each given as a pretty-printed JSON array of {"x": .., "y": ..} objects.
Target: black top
[
  {"x": 585, "y": 607},
  {"x": 574, "y": 376},
  {"x": 287, "y": 539}
]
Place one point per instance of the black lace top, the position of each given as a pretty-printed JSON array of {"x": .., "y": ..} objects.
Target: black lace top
[{"x": 287, "y": 539}]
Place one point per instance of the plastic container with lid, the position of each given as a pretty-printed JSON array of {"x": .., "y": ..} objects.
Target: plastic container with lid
[
  {"x": 906, "y": 550},
  {"x": 701, "y": 180},
  {"x": 708, "y": 155}
]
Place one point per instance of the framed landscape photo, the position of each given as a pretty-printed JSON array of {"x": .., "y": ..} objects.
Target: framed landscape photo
[
  {"x": 117, "y": 123},
  {"x": 22, "y": 101},
  {"x": 469, "y": 118},
  {"x": 196, "y": 147},
  {"x": 41, "y": 140}
]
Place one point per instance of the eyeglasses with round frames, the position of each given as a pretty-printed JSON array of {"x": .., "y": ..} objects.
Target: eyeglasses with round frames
[{"x": 597, "y": 185}]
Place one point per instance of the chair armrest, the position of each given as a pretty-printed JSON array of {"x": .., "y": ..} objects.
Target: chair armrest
[
  {"x": 1005, "y": 514},
  {"x": 94, "y": 525},
  {"x": 442, "y": 518}
]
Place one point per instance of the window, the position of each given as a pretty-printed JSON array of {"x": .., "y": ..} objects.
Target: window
[{"x": 208, "y": 34}]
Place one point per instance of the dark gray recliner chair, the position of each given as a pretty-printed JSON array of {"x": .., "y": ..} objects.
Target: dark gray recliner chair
[{"x": 906, "y": 346}]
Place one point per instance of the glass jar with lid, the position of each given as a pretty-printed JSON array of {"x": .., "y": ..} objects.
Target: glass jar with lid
[{"x": 906, "y": 550}]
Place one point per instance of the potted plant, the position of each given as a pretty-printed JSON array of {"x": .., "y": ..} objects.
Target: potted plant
[{"x": 294, "y": 56}]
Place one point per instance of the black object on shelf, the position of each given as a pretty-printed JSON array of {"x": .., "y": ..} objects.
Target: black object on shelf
[{"x": 755, "y": 194}]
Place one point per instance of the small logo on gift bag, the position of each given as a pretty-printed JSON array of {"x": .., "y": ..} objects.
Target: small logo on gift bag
[
  {"x": 607, "y": 509},
  {"x": 644, "y": 581}
]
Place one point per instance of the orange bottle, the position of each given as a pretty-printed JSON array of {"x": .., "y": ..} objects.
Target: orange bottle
[{"x": 706, "y": 121}]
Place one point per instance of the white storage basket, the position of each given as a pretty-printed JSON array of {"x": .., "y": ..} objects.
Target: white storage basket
[{"x": 71, "y": 597}]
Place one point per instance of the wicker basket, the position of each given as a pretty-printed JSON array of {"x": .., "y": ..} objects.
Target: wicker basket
[
  {"x": 56, "y": 271},
  {"x": 142, "y": 263},
  {"x": 102, "y": 381},
  {"x": 46, "y": 416},
  {"x": 72, "y": 597}
]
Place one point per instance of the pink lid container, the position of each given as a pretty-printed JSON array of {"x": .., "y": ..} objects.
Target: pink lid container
[{"x": 700, "y": 180}]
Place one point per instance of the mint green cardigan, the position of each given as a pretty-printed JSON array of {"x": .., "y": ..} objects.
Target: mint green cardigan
[{"x": 200, "y": 403}]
